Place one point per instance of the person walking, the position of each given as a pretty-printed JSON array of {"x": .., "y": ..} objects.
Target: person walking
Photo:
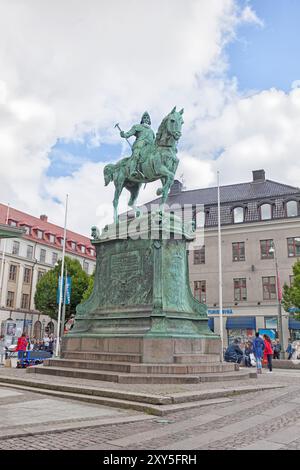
[
  {"x": 2, "y": 349},
  {"x": 258, "y": 350},
  {"x": 21, "y": 346},
  {"x": 290, "y": 349},
  {"x": 268, "y": 351},
  {"x": 276, "y": 350}
]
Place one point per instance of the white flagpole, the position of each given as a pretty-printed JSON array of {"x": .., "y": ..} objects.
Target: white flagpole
[
  {"x": 220, "y": 267},
  {"x": 3, "y": 255},
  {"x": 57, "y": 350}
]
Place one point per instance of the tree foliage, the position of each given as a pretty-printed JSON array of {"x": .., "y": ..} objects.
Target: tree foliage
[
  {"x": 291, "y": 295},
  {"x": 46, "y": 290},
  {"x": 90, "y": 288}
]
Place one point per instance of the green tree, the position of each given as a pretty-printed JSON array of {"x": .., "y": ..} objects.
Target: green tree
[
  {"x": 46, "y": 289},
  {"x": 90, "y": 288},
  {"x": 291, "y": 295}
]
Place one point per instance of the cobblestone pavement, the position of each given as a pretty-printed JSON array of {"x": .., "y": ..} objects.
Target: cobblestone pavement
[{"x": 259, "y": 420}]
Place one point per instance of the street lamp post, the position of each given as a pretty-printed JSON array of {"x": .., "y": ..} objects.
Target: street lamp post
[{"x": 273, "y": 250}]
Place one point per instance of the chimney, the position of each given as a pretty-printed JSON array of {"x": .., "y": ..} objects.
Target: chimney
[
  {"x": 258, "y": 176},
  {"x": 176, "y": 188},
  {"x": 44, "y": 218}
]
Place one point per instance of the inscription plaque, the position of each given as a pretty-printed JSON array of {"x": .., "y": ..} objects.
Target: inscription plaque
[{"x": 125, "y": 264}]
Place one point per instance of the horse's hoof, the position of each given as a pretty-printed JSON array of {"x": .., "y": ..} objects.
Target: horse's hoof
[{"x": 159, "y": 192}]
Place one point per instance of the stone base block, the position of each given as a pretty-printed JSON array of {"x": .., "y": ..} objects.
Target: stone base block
[{"x": 151, "y": 350}]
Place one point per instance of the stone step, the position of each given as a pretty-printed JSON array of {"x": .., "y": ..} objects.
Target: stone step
[
  {"x": 196, "y": 358},
  {"x": 102, "y": 356},
  {"x": 142, "y": 368},
  {"x": 140, "y": 378}
]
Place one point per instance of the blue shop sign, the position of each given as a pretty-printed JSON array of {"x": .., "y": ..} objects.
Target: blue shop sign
[{"x": 225, "y": 311}]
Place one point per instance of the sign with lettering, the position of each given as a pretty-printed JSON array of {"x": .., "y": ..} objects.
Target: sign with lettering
[{"x": 225, "y": 311}]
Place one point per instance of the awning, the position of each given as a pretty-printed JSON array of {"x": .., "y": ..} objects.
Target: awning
[
  {"x": 211, "y": 324},
  {"x": 294, "y": 324},
  {"x": 248, "y": 323}
]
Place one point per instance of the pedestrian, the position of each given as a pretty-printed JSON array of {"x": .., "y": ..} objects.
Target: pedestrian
[
  {"x": 248, "y": 351},
  {"x": 234, "y": 353},
  {"x": 268, "y": 351},
  {"x": 290, "y": 350},
  {"x": 276, "y": 350},
  {"x": 21, "y": 346},
  {"x": 258, "y": 349},
  {"x": 2, "y": 349}
]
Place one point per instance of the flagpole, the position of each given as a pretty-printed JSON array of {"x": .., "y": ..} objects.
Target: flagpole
[
  {"x": 3, "y": 255},
  {"x": 57, "y": 349},
  {"x": 220, "y": 268}
]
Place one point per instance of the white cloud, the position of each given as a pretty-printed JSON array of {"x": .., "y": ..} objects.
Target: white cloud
[{"x": 70, "y": 67}]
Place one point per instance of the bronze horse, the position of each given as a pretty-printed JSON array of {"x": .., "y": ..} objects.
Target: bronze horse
[{"x": 157, "y": 161}]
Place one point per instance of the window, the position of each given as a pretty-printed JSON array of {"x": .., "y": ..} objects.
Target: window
[
  {"x": 238, "y": 215},
  {"x": 27, "y": 229},
  {"x": 238, "y": 251},
  {"x": 51, "y": 238},
  {"x": 86, "y": 266},
  {"x": 293, "y": 246},
  {"x": 29, "y": 252},
  {"x": 10, "y": 299},
  {"x": 43, "y": 256},
  {"x": 39, "y": 234},
  {"x": 200, "y": 291},
  {"x": 12, "y": 223},
  {"x": 12, "y": 272},
  {"x": 27, "y": 275},
  {"x": 92, "y": 252},
  {"x": 292, "y": 209},
  {"x": 266, "y": 212},
  {"x": 199, "y": 255},
  {"x": 265, "y": 246},
  {"x": 40, "y": 275},
  {"x": 82, "y": 249},
  {"x": 16, "y": 248},
  {"x": 73, "y": 245},
  {"x": 25, "y": 301},
  {"x": 54, "y": 258},
  {"x": 269, "y": 288},
  {"x": 240, "y": 289}
]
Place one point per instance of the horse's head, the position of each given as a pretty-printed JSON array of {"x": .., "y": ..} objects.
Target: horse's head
[
  {"x": 108, "y": 173},
  {"x": 169, "y": 131}
]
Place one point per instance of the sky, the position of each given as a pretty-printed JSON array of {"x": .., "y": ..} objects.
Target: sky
[{"x": 70, "y": 70}]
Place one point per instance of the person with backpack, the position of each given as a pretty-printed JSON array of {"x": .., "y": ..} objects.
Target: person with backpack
[{"x": 258, "y": 350}]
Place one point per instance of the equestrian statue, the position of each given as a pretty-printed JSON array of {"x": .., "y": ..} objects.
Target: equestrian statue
[{"x": 153, "y": 158}]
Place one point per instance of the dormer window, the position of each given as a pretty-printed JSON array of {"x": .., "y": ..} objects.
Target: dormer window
[
  {"x": 92, "y": 252},
  {"x": 39, "y": 234},
  {"x": 27, "y": 229},
  {"x": 266, "y": 212},
  {"x": 73, "y": 245},
  {"x": 12, "y": 223},
  {"x": 238, "y": 215},
  {"x": 51, "y": 238},
  {"x": 292, "y": 209},
  {"x": 82, "y": 249}
]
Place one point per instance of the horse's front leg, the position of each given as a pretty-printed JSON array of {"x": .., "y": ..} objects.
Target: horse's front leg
[{"x": 118, "y": 190}]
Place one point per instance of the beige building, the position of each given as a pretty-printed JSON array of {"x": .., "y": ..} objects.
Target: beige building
[
  {"x": 260, "y": 222},
  {"x": 25, "y": 260}
]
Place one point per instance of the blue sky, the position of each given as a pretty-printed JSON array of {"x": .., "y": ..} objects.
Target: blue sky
[
  {"x": 261, "y": 57},
  {"x": 268, "y": 56}
]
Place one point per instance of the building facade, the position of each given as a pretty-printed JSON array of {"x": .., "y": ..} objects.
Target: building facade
[
  {"x": 260, "y": 224},
  {"x": 25, "y": 260}
]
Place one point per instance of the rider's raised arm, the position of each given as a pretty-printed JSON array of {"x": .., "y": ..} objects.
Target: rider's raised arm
[{"x": 131, "y": 132}]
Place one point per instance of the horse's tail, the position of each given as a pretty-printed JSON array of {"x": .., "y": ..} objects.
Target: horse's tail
[{"x": 108, "y": 172}]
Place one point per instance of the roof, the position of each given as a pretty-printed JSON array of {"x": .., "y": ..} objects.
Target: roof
[
  {"x": 6, "y": 231},
  {"x": 231, "y": 193},
  {"x": 45, "y": 226}
]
